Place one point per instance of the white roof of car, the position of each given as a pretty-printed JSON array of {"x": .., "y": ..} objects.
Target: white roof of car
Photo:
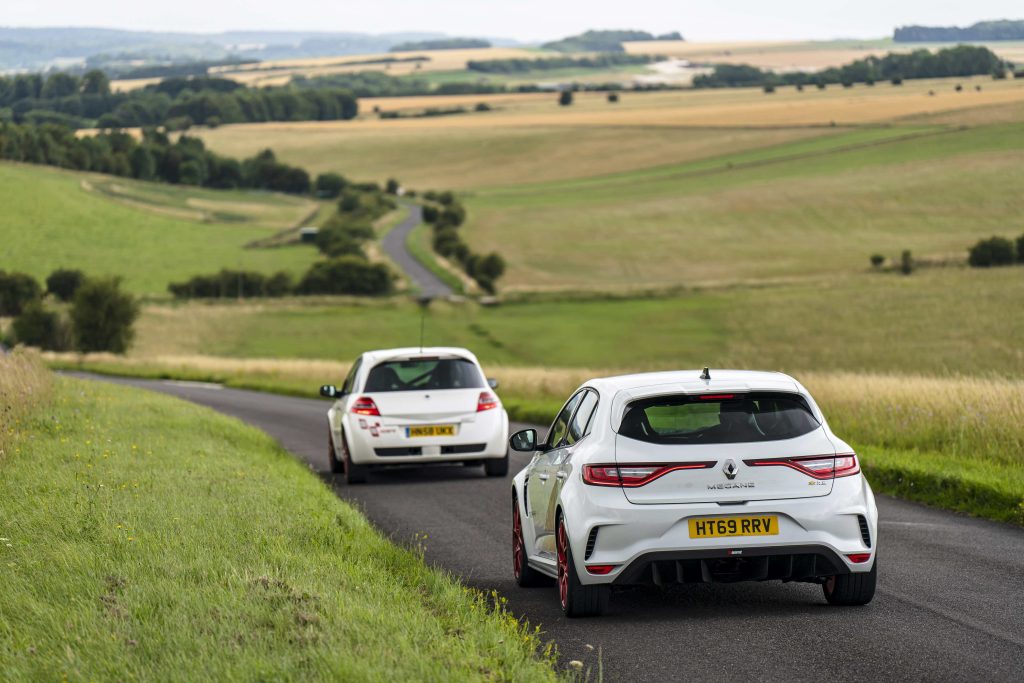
[{"x": 415, "y": 351}]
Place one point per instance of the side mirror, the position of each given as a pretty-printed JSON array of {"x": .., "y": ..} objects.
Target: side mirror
[
  {"x": 492, "y": 383},
  {"x": 524, "y": 441},
  {"x": 329, "y": 391}
]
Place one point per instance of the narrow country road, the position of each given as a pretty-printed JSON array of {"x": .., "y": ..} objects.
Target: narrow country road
[
  {"x": 950, "y": 605},
  {"x": 393, "y": 245}
]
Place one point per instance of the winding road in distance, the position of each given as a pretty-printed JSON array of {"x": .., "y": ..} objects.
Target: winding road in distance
[
  {"x": 950, "y": 605},
  {"x": 393, "y": 245}
]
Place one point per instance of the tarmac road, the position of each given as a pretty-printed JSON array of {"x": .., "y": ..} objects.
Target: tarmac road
[
  {"x": 393, "y": 245},
  {"x": 950, "y": 605}
]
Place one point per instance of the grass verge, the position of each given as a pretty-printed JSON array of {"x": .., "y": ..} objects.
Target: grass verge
[{"x": 144, "y": 538}]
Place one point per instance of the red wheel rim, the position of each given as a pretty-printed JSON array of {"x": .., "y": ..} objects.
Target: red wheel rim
[
  {"x": 517, "y": 541},
  {"x": 562, "y": 547}
]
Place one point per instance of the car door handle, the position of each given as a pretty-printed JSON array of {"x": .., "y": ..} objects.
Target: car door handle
[
  {"x": 560, "y": 476},
  {"x": 542, "y": 477}
]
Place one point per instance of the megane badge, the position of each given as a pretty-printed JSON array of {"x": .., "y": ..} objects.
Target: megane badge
[{"x": 730, "y": 469}]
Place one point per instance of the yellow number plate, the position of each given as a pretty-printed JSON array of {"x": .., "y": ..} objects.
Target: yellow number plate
[
  {"x": 430, "y": 430},
  {"x": 715, "y": 527}
]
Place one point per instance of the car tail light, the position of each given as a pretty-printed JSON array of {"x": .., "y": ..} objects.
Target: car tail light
[
  {"x": 487, "y": 401},
  {"x": 632, "y": 476},
  {"x": 856, "y": 558},
  {"x": 716, "y": 397},
  {"x": 364, "y": 405},
  {"x": 600, "y": 569},
  {"x": 817, "y": 466}
]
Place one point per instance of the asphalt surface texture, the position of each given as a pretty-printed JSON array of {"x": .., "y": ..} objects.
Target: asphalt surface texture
[
  {"x": 393, "y": 244},
  {"x": 949, "y": 607}
]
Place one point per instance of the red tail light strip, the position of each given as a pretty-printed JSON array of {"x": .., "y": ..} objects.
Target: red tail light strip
[
  {"x": 364, "y": 405},
  {"x": 817, "y": 466},
  {"x": 600, "y": 569},
  {"x": 636, "y": 474},
  {"x": 487, "y": 401},
  {"x": 856, "y": 558}
]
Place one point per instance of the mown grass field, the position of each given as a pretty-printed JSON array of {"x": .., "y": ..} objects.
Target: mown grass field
[
  {"x": 51, "y": 220},
  {"x": 132, "y": 549}
]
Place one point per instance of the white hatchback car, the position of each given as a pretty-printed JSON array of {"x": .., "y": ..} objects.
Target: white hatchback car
[
  {"x": 412, "y": 407},
  {"x": 685, "y": 477}
]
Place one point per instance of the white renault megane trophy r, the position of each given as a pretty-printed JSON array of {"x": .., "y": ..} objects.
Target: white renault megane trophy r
[
  {"x": 686, "y": 477},
  {"x": 415, "y": 406}
]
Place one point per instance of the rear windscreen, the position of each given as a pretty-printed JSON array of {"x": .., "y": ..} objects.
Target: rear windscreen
[
  {"x": 424, "y": 374},
  {"x": 725, "y": 418}
]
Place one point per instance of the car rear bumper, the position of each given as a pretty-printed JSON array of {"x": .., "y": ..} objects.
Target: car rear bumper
[
  {"x": 484, "y": 437},
  {"x": 815, "y": 537}
]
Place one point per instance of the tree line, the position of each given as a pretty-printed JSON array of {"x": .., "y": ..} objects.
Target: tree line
[
  {"x": 605, "y": 41},
  {"x": 445, "y": 214},
  {"x": 87, "y": 101},
  {"x": 441, "y": 44},
  {"x": 600, "y": 61},
  {"x": 186, "y": 161},
  {"x": 983, "y": 30},
  {"x": 962, "y": 60}
]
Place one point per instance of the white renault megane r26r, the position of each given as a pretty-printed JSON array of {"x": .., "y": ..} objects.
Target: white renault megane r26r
[
  {"x": 415, "y": 406},
  {"x": 685, "y": 477}
]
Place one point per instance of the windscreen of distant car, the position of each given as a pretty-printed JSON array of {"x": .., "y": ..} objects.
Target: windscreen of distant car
[
  {"x": 716, "y": 419},
  {"x": 424, "y": 374}
]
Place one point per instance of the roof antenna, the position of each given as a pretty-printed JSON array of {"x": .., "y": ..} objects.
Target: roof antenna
[
  {"x": 424, "y": 302},
  {"x": 706, "y": 375}
]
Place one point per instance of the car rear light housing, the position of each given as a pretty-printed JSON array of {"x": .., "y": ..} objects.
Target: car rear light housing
[
  {"x": 487, "y": 401},
  {"x": 817, "y": 466},
  {"x": 634, "y": 475},
  {"x": 856, "y": 558},
  {"x": 364, "y": 405},
  {"x": 600, "y": 569}
]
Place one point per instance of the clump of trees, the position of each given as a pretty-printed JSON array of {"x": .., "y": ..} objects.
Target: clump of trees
[
  {"x": 605, "y": 41},
  {"x": 446, "y": 214},
  {"x": 962, "y": 60},
  {"x": 996, "y": 251},
  {"x": 87, "y": 101},
  {"x": 233, "y": 284},
  {"x": 87, "y": 314},
  {"x": 600, "y": 61},
  {"x": 185, "y": 161}
]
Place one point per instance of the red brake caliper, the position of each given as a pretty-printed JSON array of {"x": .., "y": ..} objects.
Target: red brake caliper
[
  {"x": 517, "y": 541},
  {"x": 563, "y": 564}
]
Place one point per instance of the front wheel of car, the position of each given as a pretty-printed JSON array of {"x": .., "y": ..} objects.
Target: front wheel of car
[
  {"x": 851, "y": 589},
  {"x": 354, "y": 474},
  {"x": 577, "y": 600},
  {"x": 497, "y": 467},
  {"x": 525, "y": 575}
]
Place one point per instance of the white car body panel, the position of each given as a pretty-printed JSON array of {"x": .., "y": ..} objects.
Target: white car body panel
[
  {"x": 634, "y": 523},
  {"x": 486, "y": 432}
]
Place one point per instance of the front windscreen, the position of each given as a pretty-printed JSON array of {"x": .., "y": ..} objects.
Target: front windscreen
[
  {"x": 424, "y": 374},
  {"x": 723, "y": 418}
]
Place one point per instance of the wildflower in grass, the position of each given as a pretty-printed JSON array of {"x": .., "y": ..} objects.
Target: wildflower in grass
[{"x": 576, "y": 664}]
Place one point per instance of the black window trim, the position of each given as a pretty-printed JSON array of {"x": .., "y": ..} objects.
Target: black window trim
[
  {"x": 551, "y": 446},
  {"x": 590, "y": 419}
]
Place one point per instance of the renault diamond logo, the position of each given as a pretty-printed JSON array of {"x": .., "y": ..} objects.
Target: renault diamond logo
[{"x": 730, "y": 469}]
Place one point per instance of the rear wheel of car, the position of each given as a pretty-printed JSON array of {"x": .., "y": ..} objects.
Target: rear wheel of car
[
  {"x": 525, "y": 575},
  {"x": 577, "y": 600},
  {"x": 851, "y": 589},
  {"x": 497, "y": 467},
  {"x": 354, "y": 474},
  {"x": 333, "y": 463}
]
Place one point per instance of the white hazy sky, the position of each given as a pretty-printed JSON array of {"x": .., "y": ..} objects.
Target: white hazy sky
[{"x": 522, "y": 19}]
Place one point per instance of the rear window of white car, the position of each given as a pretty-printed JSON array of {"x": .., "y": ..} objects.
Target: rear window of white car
[
  {"x": 424, "y": 374},
  {"x": 718, "y": 418}
]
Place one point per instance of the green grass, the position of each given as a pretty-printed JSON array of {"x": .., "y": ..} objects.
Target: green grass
[
  {"x": 418, "y": 244},
  {"x": 868, "y": 322},
  {"x": 135, "y": 549},
  {"x": 50, "y": 221},
  {"x": 792, "y": 210}
]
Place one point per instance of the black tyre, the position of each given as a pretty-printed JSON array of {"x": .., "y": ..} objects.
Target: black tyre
[
  {"x": 577, "y": 600},
  {"x": 525, "y": 575},
  {"x": 851, "y": 589},
  {"x": 333, "y": 463},
  {"x": 497, "y": 467},
  {"x": 354, "y": 474}
]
